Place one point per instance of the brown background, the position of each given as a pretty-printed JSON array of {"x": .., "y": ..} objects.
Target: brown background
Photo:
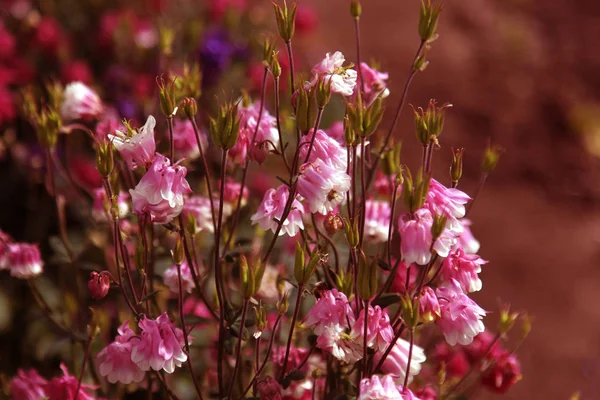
[{"x": 522, "y": 73}]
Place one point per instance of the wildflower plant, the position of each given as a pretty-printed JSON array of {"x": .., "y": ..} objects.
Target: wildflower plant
[{"x": 250, "y": 251}]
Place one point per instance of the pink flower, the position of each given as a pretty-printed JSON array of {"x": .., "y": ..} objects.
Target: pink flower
[
  {"x": 377, "y": 220},
  {"x": 159, "y": 193},
  {"x": 272, "y": 206},
  {"x": 378, "y": 389},
  {"x": 416, "y": 238},
  {"x": 5, "y": 240},
  {"x": 343, "y": 79},
  {"x": 322, "y": 186},
  {"x": 199, "y": 207},
  {"x": 447, "y": 201},
  {"x": 101, "y": 206},
  {"x": 184, "y": 140},
  {"x": 116, "y": 364},
  {"x": 160, "y": 347},
  {"x": 464, "y": 268},
  {"x": 231, "y": 194},
  {"x": 295, "y": 357},
  {"x": 107, "y": 124},
  {"x": 461, "y": 316},
  {"x": 399, "y": 284},
  {"x": 136, "y": 148},
  {"x": 503, "y": 374},
  {"x": 396, "y": 362},
  {"x": 331, "y": 309},
  {"x": 334, "y": 340},
  {"x": 379, "y": 330},
  {"x": 466, "y": 240},
  {"x": 325, "y": 148},
  {"x": 192, "y": 306},
  {"x": 269, "y": 389},
  {"x": 239, "y": 151},
  {"x": 80, "y": 102},
  {"x": 98, "y": 285},
  {"x": 65, "y": 388},
  {"x": 256, "y": 146},
  {"x": 24, "y": 260},
  {"x": 429, "y": 307},
  {"x": 454, "y": 359},
  {"x": 374, "y": 83},
  {"x": 336, "y": 132},
  {"x": 171, "y": 278},
  {"x": 27, "y": 385},
  {"x": 426, "y": 393}
]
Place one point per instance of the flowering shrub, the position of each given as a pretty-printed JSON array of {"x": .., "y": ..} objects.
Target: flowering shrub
[{"x": 248, "y": 251}]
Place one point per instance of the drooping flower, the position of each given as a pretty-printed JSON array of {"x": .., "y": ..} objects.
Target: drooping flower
[
  {"x": 322, "y": 186},
  {"x": 332, "y": 308},
  {"x": 396, "y": 362},
  {"x": 377, "y": 220},
  {"x": 171, "y": 278},
  {"x": 98, "y": 285},
  {"x": 199, "y": 208},
  {"x": 331, "y": 69},
  {"x": 325, "y": 148},
  {"x": 272, "y": 206},
  {"x": 461, "y": 316},
  {"x": 27, "y": 385},
  {"x": 449, "y": 202},
  {"x": 80, "y": 102},
  {"x": 379, "y": 329},
  {"x": 231, "y": 195},
  {"x": 429, "y": 307},
  {"x": 136, "y": 148},
  {"x": 24, "y": 260},
  {"x": 160, "y": 347},
  {"x": 116, "y": 363},
  {"x": 503, "y": 374},
  {"x": 159, "y": 194},
  {"x": 65, "y": 387},
  {"x": 465, "y": 239},
  {"x": 464, "y": 268},
  {"x": 374, "y": 83},
  {"x": 417, "y": 238}
]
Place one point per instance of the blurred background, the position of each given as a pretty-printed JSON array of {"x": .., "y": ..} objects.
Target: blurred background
[{"x": 520, "y": 73}]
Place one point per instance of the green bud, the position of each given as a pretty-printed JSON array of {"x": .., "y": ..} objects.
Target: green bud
[
  {"x": 306, "y": 110},
  {"x": 286, "y": 20},
  {"x": 372, "y": 116},
  {"x": 178, "y": 252},
  {"x": 261, "y": 320},
  {"x": 104, "y": 158},
  {"x": 48, "y": 125},
  {"x": 428, "y": 20},
  {"x": 507, "y": 319},
  {"x": 349, "y": 136},
  {"x": 55, "y": 93},
  {"x": 367, "y": 277},
  {"x": 410, "y": 312},
  {"x": 438, "y": 226},
  {"x": 283, "y": 304},
  {"x": 167, "y": 96},
  {"x": 246, "y": 276},
  {"x": 275, "y": 67},
  {"x": 299, "y": 263},
  {"x": 391, "y": 160},
  {"x": 456, "y": 168},
  {"x": 191, "y": 224},
  {"x": 268, "y": 52},
  {"x": 323, "y": 93},
  {"x": 421, "y": 62},
  {"x": 352, "y": 235},
  {"x": 344, "y": 282},
  {"x": 407, "y": 190},
  {"x": 189, "y": 107},
  {"x": 491, "y": 156},
  {"x": 259, "y": 271},
  {"x": 355, "y": 9},
  {"x": 166, "y": 37},
  {"x": 224, "y": 129},
  {"x": 429, "y": 123}
]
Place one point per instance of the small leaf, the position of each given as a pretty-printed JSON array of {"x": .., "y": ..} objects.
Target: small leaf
[
  {"x": 386, "y": 299},
  {"x": 149, "y": 296}
]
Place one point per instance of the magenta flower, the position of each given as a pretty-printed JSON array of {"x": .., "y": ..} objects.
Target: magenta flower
[
  {"x": 377, "y": 220},
  {"x": 160, "y": 347},
  {"x": 24, "y": 260},
  {"x": 171, "y": 278},
  {"x": 379, "y": 330},
  {"x": 503, "y": 373},
  {"x": 331, "y": 309},
  {"x": 331, "y": 69},
  {"x": 374, "y": 83},
  {"x": 325, "y": 148},
  {"x": 136, "y": 148},
  {"x": 397, "y": 361},
  {"x": 461, "y": 316},
  {"x": 429, "y": 307},
  {"x": 116, "y": 364},
  {"x": 98, "y": 285},
  {"x": 272, "y": 206},
  {"x": 184, "y": 140},
  {"x": 464, "y": 268},
  {"x": 65, "y": 388},
  {"x": 27, "y": 385},
  {"x": 199, "y": 207},
  {"x": 322, "y": 186},
  {"x": 80, "y": 102},
  {"x": 159, "y": 194}
]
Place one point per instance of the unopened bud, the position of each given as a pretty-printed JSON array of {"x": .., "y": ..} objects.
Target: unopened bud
[
  {"x": 190, "y": 107},
  {"x": 259, "y": 152},
  {"x": 355, "y": 9},
  {"x": 283, "y": 304},
  {"x": 428, "y": 20},
  {"x": 98, "y": 285},
  {"x": 167, "y": 96},
  {"x": 275, "y": 67},
  {"x": 410, "y": 312},
  {"x": 507, "y": 319},
  {"x": 225, "y": 128},
  {"x": 391, "y": 160},
  {"x": 367, "y": 277},
  {"x": 421, "y": 62},
  {"x": 456, "y": 168},
  {"x": 268, "y": 52},
  {"x": 333, "y": 223},
  {"x": 352, "y": 235},
  {"x": 48, "y": 125},
  {"x": 305, "y": 109},
  {"x": 104, "y": 158},
  {"x": 429, "y": 123},
  {"x": 349, "y": 136},
  {"x": 286, "y": 20},
  {"x": 491, "y": 156},
  {"x": 179, "y": 253},
  {"x": 323, "y": 92}
]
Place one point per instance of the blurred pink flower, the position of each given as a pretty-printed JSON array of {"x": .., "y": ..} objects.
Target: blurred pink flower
[
  {"x": 160, "y": 347},
  {"x": 101, "y": 206},
  {"x": 24, "y": 260},
  {"x": 272, "y": 206},
  {"x": 374, "y": 83},
  {"x": 159, "y": 193},
  {"x": 377, "y": 220},
  {"x": 184, "y": 140},
  {"x": 171, "y": 278},
  {"x": 65, "y": 388},
  {"x": 80, "y": 102},
  {"x": 199, "y": 208},
  {"x": 98, "y": 285},
  {"x": 429, "y": 307},
  {"x": 503, "y": 374},
  {"x": 269, "y": 389},
  {"x": 376, "y": 388},
  {"x": 115, "y": 359},
  {"x": 136, "y": 148},
  {"x": 27, "y": 385}
]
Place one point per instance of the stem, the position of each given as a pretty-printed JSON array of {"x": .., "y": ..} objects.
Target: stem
[
  {"x": 314, "y": 135},
  {"x": 282, "y": 149},
  {"x": 391, "y": 226},
  {"x": 363, "y": 193},
  {"x": 164, "y": 385},
  {"x": 411, "y": 334},
  {"x": 290, "y": 336},
  {"x": 477, "y": 192},
  {"x": 238, "y": 350},
  {"x": 171, "y": 140},
  {"x": 365, "y": 330},
  {"x": 429, "y": 157},
  {"x": 206, "y": 172},
  {"x": 85, "y": 358},
  {"x": 185, "y": 334},
  {"x": 236, "y": 214},
  {"x": 358, "y": 67},
  {"x": 288, "y": 45}
]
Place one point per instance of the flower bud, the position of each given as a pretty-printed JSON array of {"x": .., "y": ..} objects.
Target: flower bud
[
  {"x": 491, "y": 156},
  {"x": 225, "y": 128},
  {"x": 190, "y": 107},
  {"x": 323, "y": 93},
  {"x": 259, "y": 152},
  {"x": 167, "y": 96},
  {"x": 429, "y": 123},
  {"x": 355, "y": 9},
  {"x": 410, "y": 312},
  {"x": 251, "y": 276},
  {"x": 421, "y": 62},
  {"x": 283, "y": 304},
  {"x": 48, "y": 125},
  {"x": 268, "y": 52},
  {"x": 261, "y": 320},
  {"x": 333, "y": 223},
  {"x": 507, "y": 319},
  {"x": 305, "y": 109},
  {"x": 349, "y": 136},
  {"x": 367, "y": 277},
  {"x": 352, "y": 235},
  {"x": 391, "y": 160},
  {"x": 104, "y": 158},
  {"x": 299, "y": 261},
  {"x": 98, "y": 285},
  {"x": 275, "y": 67},
  {"x": 179, "y": 253},
  {"x": 456, "y": 168},
  {"x": 286, "y": 20},
  {"x": 428, "y": 20}
]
